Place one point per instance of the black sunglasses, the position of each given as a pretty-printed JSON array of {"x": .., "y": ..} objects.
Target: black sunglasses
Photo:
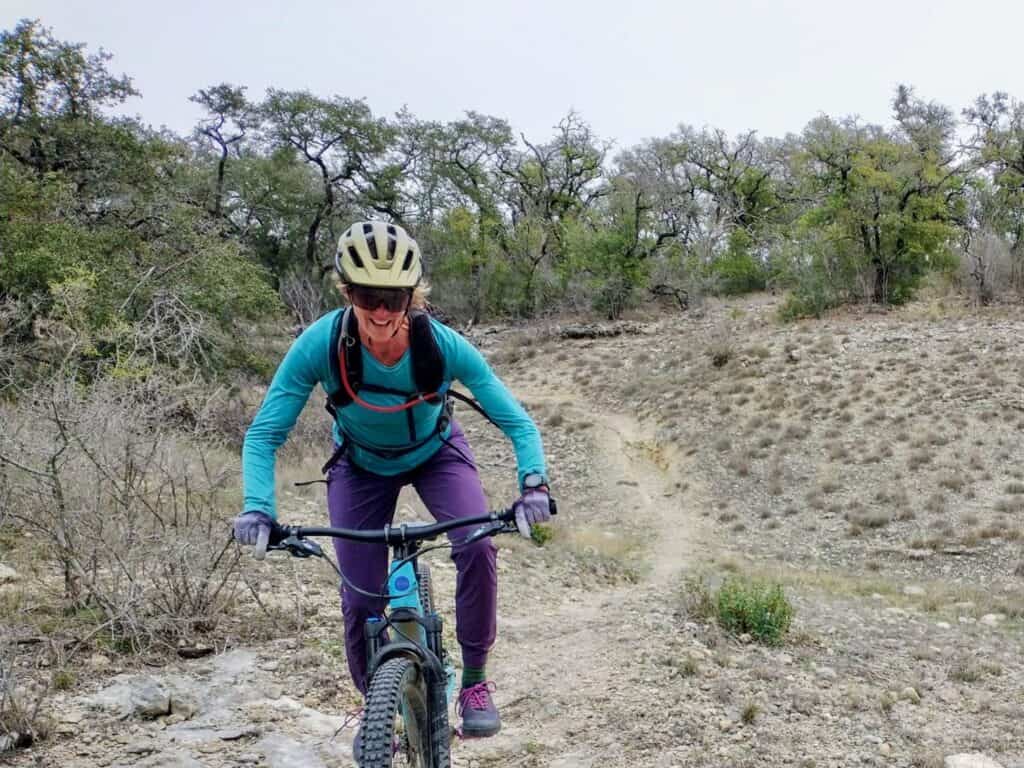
[{"x": 369, "y": 298}]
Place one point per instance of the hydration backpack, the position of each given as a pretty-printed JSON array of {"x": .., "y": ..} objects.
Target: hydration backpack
[{"x": 428, "y": 377}]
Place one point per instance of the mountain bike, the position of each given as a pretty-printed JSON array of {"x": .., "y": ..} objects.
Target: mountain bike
[{"x": 411, "y": 677}]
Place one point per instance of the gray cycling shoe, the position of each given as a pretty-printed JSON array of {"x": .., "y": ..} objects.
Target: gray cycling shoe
[{"x": 480, "y": 717}]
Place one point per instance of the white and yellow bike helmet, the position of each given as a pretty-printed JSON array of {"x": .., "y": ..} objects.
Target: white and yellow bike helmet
[{"x": 380, "y": 255}]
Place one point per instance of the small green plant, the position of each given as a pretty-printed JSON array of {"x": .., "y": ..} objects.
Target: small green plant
[
  {"x": 541, "y": 534},
  {"x": 64, "y": 679},
  {"x": 750, "y": 607}
]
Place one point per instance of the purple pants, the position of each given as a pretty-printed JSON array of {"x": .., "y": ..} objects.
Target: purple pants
[{"x": 450, "y": 488}]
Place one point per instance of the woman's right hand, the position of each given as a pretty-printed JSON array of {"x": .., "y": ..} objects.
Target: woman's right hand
[{"x": 248, "y": 526}]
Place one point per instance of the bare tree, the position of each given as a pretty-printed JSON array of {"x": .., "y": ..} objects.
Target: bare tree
[{"x": 230, "y": 118}]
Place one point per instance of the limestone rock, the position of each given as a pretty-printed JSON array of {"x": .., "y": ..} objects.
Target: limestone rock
[
  {"x": 132, "y": 696},
  {"x": 971, "y": 760}
]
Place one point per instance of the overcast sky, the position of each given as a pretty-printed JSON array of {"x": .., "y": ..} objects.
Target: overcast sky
[{"x": 632, "y": 68}]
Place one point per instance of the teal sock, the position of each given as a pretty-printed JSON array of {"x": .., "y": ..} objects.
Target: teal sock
[{"x": 473, "y": 675}]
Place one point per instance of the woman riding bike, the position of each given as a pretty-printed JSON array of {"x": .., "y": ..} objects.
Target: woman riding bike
[{"x": 372, "y": 360}]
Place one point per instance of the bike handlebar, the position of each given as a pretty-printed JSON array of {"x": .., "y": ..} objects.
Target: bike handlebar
[{"x": 292, "y": 538}]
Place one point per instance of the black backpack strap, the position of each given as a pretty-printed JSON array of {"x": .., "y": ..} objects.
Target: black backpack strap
[
  {"x": 339, "y": 452},
  {"x": 472, "y": 404},
  {"x": 345, "y": 348},
  {"x": 427, "y": 360}
]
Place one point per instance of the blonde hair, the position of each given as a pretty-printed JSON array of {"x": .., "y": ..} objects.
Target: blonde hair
[{"x": 420, "y": 294}]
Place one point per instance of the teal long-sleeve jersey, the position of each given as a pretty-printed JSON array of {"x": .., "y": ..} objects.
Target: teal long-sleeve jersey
[{"x": 309, "y": 362}]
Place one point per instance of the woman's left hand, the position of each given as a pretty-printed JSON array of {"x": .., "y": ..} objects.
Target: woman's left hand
[{"x": 534, "y": 506}]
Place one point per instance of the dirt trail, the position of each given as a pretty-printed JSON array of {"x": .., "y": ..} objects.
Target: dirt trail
[
  {"x": 676, "y": 529},
  {"x": 641, "y": 477},
  {"x": 565, "y": 662}
]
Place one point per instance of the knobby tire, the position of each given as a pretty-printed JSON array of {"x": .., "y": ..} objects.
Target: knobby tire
[
  {"x": 426, "y": 588},
  {"x": 399, "y": 681}
]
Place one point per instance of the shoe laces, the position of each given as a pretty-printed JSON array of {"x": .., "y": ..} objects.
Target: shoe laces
[{"x": 476, "y": 696}]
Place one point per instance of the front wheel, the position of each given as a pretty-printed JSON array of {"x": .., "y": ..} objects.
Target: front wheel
[{"x": 398, "y": 693}]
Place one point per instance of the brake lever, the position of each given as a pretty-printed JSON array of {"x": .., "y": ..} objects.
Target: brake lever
[
  {"x": 485, "y": 530},
  {"x": 297, "y": 547}
]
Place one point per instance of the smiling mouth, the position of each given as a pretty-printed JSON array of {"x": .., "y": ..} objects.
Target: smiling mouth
[{"x": 380, "y": 324}]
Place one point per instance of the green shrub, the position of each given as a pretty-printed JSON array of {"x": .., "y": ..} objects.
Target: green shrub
[
  {"x": 541, "y": 534},
  {"x": 737, "y": 270},
  {"x": 754, "y": 608},
  {"x": 811, "y": 300}
]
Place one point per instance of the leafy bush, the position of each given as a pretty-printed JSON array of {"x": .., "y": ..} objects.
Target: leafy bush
[
  {"x": 813, "y": 293},
  {"x": 738, "y": 270},
  {"x": 541, "y": 534},
  {"x": 750, "y": 607}
]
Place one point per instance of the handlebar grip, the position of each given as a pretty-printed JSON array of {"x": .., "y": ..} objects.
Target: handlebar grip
[{"x": 262, "y": 541}]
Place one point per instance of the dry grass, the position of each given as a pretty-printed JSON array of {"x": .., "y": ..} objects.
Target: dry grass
[
  {"x": 829, "y": 484},
  {"x": 132, "y": 510},
  {"x": 952, "y": 479},
  {"x": 871, "y": 519},
  {"x": 740, "y": 463},
  {"x": 936, "y": 503},
  {"x": 1013, "y": 505},
  {"x": 919, "y": 458}
]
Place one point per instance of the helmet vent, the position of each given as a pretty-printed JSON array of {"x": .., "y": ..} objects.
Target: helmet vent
[
  {"x": 392, "y": 245},
  {"x": 354, "y": 255},
  {"x": 408, "y": 260},
  {"x": 391, "y": 230},
  {"x": 372, "y": 244},
  {"x": 367, "y": 228}
]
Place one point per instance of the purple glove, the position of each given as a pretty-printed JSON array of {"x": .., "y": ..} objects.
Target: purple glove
[
  {"x": 248, "y": 525},
  {"x": 534, "y": 506}
]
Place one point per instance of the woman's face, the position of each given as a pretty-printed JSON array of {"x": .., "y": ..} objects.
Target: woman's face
[{"x": 379, "y": 312}]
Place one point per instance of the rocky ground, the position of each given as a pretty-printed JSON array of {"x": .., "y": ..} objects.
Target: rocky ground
[{"x": 871, "y": 464}]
